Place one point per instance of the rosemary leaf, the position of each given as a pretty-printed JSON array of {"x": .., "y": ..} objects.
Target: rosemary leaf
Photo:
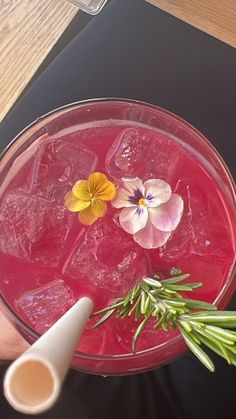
[
  {"x": 155, "y": 292},
  {"x": 127, "y": 299},
  {"x": 108, "y": 308},
  {"x": 228, "y": 334},
  {"x": 168, "y": 293},
  {"x": 196, "y": 305},
  {"x": 194, "y": 336},
  {"x": 138, "y": 333},
  {"x": 135, "y": 292},
  {"x": 164, "y": 326},
  {"x": 233, "y": 360},
  {"x": 138, "y": 313},
  {"x": 161, "y": 320},
  {"x": 215, "y": 346},
  {"x": 194, "y": 285},
  {"x": 142, "y": 303},
  {"x": 152, "y": 298},
  {"x": 176, "y": 303},
  {"x": 210, "y": 344},
  {"x": 171, "y": 313},
  {"x": 175, "y": 279},
  {"x": 185, "y": 325},
  {"x": 156, "y": 311},
  {"x": 232, "y": 349},
  {"x": 152, "y": 282},
  {"x": 106, "y": 316},
  {"x": 164, "y": 295},
  {"x": 147, "y": 305},
  {"x": 197, "y": 351},
  {"x": 134, "y": 305},
  {"x": 195, "y": 323},
  {"x": 225, "y": 352},
  {"x": 219, "y": 337},
  {"x": 181, "y": 311},
  {"x": 218, "y": 318},
  {"x": 174, "y": 287},
  {"x": 145, "y": 287},
  {"x": 124, "y": 311}
]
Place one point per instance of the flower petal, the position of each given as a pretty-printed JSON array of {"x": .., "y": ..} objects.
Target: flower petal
[
  {"x": 133, "y": 219},
  {"x": 150, "y": 237},
  {"x": 96, "y": 180},
  {"x": 99, "y": 208},
  {"x": 106, "y": 192},
  {"x": 167, "y": 216},
  {"x": 129, "y": 193},
  {"x": 74, "y": 204},
  {"x": 87, "y": 217},
  {"x": 81, "y": 190},
  {"x": 157, "y": 191},
  {"x": 122, "y": 198}
]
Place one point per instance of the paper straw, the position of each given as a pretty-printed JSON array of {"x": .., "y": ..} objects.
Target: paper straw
[{"x": 33, "y": 382}]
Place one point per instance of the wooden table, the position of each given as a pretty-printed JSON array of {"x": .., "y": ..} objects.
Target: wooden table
[{"x": 30, "y": 28}]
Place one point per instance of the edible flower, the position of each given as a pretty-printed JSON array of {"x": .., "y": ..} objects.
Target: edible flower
[
  {"x": 88, "y": 197},
  {"x": 151, "y": 212}
]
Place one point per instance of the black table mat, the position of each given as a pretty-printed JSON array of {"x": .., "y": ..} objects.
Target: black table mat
[{"x": 133, "y": 50}]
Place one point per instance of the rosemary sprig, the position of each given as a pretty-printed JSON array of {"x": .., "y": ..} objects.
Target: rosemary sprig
[{"x": 199, "y": 322}]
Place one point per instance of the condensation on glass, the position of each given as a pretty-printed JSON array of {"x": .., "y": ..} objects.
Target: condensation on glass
[{"x": 90, "y": 6}]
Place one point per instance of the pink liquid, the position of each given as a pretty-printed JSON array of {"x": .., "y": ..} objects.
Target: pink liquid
[{"x": 48, "y": 260}]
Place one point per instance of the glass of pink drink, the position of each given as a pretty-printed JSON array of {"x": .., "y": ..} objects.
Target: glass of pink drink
[{"x": 49, "y": 260}]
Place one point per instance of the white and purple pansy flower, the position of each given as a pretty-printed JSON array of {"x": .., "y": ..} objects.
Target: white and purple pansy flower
[{"x": 151, "y": 212}]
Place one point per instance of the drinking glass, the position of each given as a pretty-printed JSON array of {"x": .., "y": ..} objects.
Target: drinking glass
[
  {"x": 101, "y": 112},
  {"x": 90, "y": 6}
]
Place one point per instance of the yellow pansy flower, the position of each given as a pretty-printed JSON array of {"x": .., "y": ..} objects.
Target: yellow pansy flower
[{"x": 88, "y": 197}]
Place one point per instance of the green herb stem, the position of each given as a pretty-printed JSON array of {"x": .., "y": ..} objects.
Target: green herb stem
[{"x": 199, "y": 322}]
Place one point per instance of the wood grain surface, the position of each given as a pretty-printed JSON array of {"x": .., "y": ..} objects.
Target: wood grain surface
[
  {"x": 28, "y": 31},
  {"x": 215, "y": 17},
  {"x": 30, "y": 28}
]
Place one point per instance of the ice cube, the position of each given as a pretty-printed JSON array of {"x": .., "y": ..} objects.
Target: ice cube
[
  {"x": 22, "y": 171},
  {"x": 44, "y": 305},
  {"x": 33, "y": 229},
  {"x": 123, "y": 331},
  {"x": 115, "y": 336},
  {"x": 144, "y": 153},
  {"x": 212, "y": 240},
  {"x": 61, "y": 164},
  {"x": 96, "y": 341},
  {"x": 107, "y": 258},
  {"x": 180, "y": 245},
  {"x": 202, "y": 231}
]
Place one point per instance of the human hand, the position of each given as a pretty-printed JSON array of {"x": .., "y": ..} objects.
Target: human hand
[{"x": 12, "y": 344}]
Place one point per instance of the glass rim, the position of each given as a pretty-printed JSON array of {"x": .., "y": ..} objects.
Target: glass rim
[
  {"x": 91, "y": 9},
  {"x": 60, "y": 110}
]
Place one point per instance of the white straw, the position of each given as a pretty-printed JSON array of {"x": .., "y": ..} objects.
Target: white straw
[{"x": 33, "y": 382}]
